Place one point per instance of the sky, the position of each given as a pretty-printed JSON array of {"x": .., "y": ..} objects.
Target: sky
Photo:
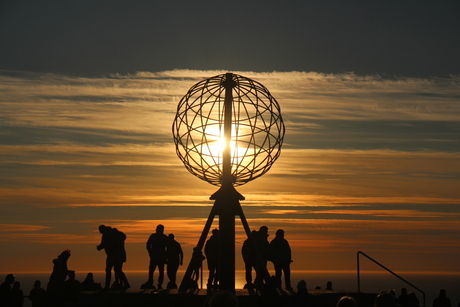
[{"x": 369, "y": 93}]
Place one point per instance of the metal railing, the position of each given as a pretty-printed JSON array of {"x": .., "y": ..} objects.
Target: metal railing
[{"x": 388, "y": 270}]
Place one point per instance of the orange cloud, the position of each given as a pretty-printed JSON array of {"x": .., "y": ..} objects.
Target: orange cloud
[{"x": 20, "y": 228}]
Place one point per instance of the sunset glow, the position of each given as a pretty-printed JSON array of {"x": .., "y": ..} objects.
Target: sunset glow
[{"x": 358, "y": 171}]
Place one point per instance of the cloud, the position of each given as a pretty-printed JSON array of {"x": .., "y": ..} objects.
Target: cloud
[{"x": 20, "y": 228}]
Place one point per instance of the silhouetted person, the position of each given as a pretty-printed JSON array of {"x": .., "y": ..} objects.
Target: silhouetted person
[
  {"x": 156, "y": 246},
  {"x": 222, "y": 299},
  {"x": 71, "y": 288},
  {"x": 56, "y": 283},
  {"x": 5, "y": 290},
  {"x": 442, "y": 300},
  {"x": 249, "y": 254},
  {"x": 37, "y": 295},
  {"x": 403, "y": 298},
  {"x": 270, "y": 295},
  {"x": 108, "y": 245},
  {"x": 329, "y": 286},
  {"x": 281, "y": 258},
  {"x": 113, "y": 242},
  {"x": 120, "y": 258},
  {"x": 346, "y": 301},
  {"x": 17, "y": 296},
  {"x": 211, "y": 250},
  {"x": 263, "y": 246},
  {"x": 196, "y": 264},
  {"x": 393, "y": 292},
  {"x": 385, "y": 299},
  {"x": 89, "y": 284},
  {"x": 413, "y": 300},
  {"x": 302, "y": 298},
  {"x": 175, "y": 258}
]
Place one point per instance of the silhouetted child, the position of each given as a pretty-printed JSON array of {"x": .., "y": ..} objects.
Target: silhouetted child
[{"x": 37, "y": 295}]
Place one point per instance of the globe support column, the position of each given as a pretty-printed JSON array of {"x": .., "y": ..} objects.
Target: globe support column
[{"x": 227, "y": 203}]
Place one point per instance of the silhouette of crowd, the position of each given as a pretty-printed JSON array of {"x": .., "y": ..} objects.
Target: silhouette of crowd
[
  {"x": 164, "y": 250},
  {"x": 63, "y": 287}
]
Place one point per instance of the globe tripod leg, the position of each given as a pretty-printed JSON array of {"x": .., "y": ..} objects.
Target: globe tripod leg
[{"x": 197, "y": 256}]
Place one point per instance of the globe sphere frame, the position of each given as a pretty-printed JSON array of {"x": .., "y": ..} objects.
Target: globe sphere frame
[{"x": 257, "y": 129}]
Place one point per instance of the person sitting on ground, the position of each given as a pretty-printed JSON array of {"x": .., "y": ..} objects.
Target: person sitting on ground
[
  {"x": 302, "y": 298},
  {"x": 89, "y": 285},
  {"x": 71, "y": 288}
]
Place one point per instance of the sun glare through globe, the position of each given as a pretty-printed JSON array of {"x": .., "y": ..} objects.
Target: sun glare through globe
[{"x": 249, "y": 128}]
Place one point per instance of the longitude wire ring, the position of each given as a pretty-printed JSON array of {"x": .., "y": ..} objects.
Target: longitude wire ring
[{"x": 254, "y": 112}]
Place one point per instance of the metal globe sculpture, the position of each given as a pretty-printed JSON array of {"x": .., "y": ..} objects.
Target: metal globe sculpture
[{"x": 228, "y": 127}]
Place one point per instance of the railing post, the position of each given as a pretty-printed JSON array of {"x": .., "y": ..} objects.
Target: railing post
[{"x": 359, "y": 279}]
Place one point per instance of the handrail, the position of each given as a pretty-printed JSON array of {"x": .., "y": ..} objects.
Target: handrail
[{"x": 390, "y": 271}]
